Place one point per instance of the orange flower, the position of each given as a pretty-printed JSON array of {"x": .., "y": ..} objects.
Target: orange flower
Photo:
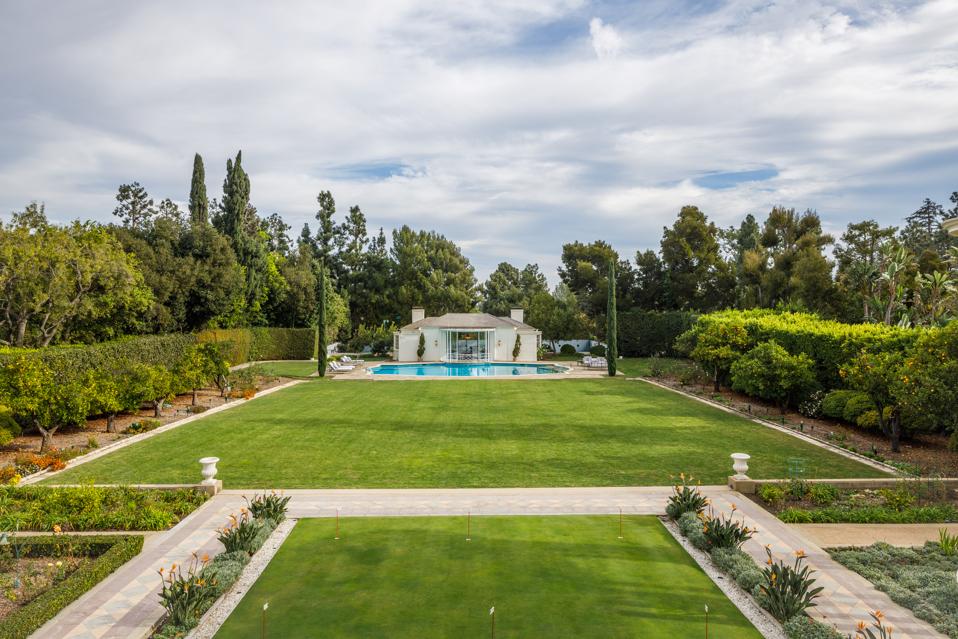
[
  {"x": 56, "y": 529},
  {"x": 878, "y": 614},
  {"x": 861, "y": 625}
]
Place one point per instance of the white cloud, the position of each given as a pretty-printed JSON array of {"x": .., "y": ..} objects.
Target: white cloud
[
  {"x": 605, "y": 39},
  {"x": 517, "y": 139}
]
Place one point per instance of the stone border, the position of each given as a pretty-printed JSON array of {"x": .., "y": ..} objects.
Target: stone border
[
  {"x": 127, "y": 441},
  {"x": 868, "y": 461},
  {"x": 767, "y": 626},
  {"x": 216, "y": 616}
]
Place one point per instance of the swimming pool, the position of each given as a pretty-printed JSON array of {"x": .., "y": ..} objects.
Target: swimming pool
[{"x": 483, "y": 369}]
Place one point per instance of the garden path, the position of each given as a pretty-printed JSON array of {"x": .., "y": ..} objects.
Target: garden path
[{"x": 126, "y": 605}]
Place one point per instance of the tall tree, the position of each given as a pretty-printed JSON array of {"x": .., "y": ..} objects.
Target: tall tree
[
  {"x": 651, "y": 285},
  {"x": 924, "y": 236},
  {"x": 508, "y": 287},
  {"x": 53, "y": 278},
  {"x": 321, "y": 322},
  {"x": 698, "y": 278},
  {"x": 326, "y": 231},
  {"x": 612, "y": 325},
  {"x": 799, "y": 274},
  {"x": 135, "y": 207},
  {"x": 585, "y": 270},
  {"x": 236, "y": 193},
  {"x": 199, "y": 205},
  {"x": 431, "y": 271},
  {"x": 859, "y": 255}
]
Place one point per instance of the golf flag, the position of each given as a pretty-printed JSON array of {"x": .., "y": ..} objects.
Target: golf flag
[
  {"x": 265, "y": 606},
  {"x": 706, "y": 609},
  {"x": 492, "y": 610}
]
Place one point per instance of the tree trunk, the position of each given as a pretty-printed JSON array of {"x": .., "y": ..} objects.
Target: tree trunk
[
  {"x": 194, "y": 397},
  {"x": 895, "y": 434},
  {"x": 157, "y": 408},
  {"x": 111, "y": 423},
  {"x": 21, "y": 332},
  {"x": 47, "y": 442},
  {"x": 716, "y": 386}
]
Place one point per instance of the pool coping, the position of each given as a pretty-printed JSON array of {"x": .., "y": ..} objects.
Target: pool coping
[{"x": 368, "y": 370}]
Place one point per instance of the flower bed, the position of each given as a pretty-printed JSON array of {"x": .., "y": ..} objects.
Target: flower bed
[
  {"x": 799, "y": 502},
  {"x": 920, "y": 579},
  {"x": 53, "y": 571},
  {"x": 188, "y": 594},
  {"x": 73, "y": 508}
]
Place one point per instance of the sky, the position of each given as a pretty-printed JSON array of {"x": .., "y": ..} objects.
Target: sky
[{"x": 509, "y": 127}]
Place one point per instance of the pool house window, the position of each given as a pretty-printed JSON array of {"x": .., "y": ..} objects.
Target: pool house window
[{"x": 475, "y": 345}]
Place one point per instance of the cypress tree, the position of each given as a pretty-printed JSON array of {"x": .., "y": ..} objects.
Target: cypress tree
[
  {"x": 235, "y": 198},
  {"x": 199, "y": 205},
  {"x": 612, "y": 325},
  {"x": 321, "y": 321}
]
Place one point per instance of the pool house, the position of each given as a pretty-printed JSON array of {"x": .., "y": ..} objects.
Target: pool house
[{"x": 467, "y": 337}]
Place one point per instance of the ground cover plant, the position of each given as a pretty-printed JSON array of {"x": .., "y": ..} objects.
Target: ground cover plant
[
  {"x": 799, "y": 502},
  {"x": 546, "y": 577},
  {"x": 920, "y": 579},
  {"x": 603, "y": 432},
  {"x": 292, "y": 368},
  {"x": 39, "y": 576},
  {"x": 67, "y": 508}
]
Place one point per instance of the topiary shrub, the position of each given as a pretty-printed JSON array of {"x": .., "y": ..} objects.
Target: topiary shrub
[
  {"x": 567, "y": 349},
  {"x": 834, "y": 403},
  {"x": 856, "y": 406},
  {"x": 597, "y": 351}
]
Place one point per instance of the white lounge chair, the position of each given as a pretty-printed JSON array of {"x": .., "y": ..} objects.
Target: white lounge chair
[
  {"x": 336, "y": 367},
  {"x": 350, "y": 360}
]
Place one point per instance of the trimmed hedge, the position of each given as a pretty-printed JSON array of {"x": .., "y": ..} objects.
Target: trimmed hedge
[
  {"x": 262, "y": 343},
  {"x": 936, "y": 514},
  {"x": 109, "y": 552},
  {"x": 648, "y": 333},
  {"x": 829, "y": 343}
]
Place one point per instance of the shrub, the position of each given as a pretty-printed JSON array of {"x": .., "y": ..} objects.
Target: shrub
[
  {"x": 379, "y": 339},
  {"x": 942, "y": 513},
  {"x": 262, "y": 343},
  {"x": 899, "y": 498},
  {"x": 857, "y": 405},
  {"x": 186, "y": 596},
  {"x": 650, "y": 333},
  {"x": 685, "y": 498},
  {"x": 597, "y": 351},
  {"x": 769, "y": 372},
  {"x": 271, "y": 507},
  {"x": 772, "y": 494},
  {"x": 802, "y": 627},
  {"x": 109, "y": 553},
  {"x": 241, "y": 533},
  {"x": 143, "y": 426},
  {"x": 823, "y": 494},
  {"x": 9, "y": 428},
  {"x": 690, "y": 525},
  {"x": 947, "y": 543},
  {"x": 567, "y": 349},
  {"x": 724, "y": 531},
  {"x": 834, "y": 403},
  {"x": 868, "y": 419},
  {"x": 786, "y": 590},
  {"x": 196, "y": 410},
  {"x": 739, "y": 566},
  {"x": 796, "y": 489}
]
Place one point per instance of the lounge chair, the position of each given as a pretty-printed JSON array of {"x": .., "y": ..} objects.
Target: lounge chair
[
  {"x": 350, "y": 360},
  {"x": 336, "y": 367}
]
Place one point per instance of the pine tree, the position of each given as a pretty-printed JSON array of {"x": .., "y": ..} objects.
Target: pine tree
[
  {"x": 199, "y": 205},
  {"x": 321, "y": 321},
  {"x": 612, "y": 325},
  {"x": 325, "y": 234},
  {"x": 135, "y": 207}
]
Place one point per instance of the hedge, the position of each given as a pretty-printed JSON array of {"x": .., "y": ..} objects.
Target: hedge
[
  {"x": 829, "y": 343},
  {"x": 648, "y": 333},
  {"x": 109, "y": 552},
  {"x": 261, "y": 343}
]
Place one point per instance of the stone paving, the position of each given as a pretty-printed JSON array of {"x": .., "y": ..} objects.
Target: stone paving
[
  {"x": 126, "y": 604},
  {"x": 904, "y": 535}
]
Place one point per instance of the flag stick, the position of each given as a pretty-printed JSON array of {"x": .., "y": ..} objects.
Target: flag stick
[
  {"x": 469, "y": 526},
  {"x": 620, "y": 523},
  {"x": 337, "y": 523},
  {"x": 706, "y": 621},
  {"x": 265, "y": 606},
  {"x": 492, "y": 613}
]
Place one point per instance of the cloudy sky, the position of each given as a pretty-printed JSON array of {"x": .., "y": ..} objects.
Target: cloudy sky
[{"x": 510, "y": 127}]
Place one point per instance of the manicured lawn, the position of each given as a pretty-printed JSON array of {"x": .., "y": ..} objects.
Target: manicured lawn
[
  {"x": 294, "y": 368},
  {"x": 463, "y": 433},
  {"x": 546, "y": 577}
]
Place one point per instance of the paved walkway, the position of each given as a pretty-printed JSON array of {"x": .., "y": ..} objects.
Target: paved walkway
[
  {"x": 125, "y": 604},
  {"x": 905, "y": 535}
]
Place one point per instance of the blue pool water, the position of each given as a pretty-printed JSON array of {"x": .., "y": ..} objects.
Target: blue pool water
[{"x": 486, "y": 369}]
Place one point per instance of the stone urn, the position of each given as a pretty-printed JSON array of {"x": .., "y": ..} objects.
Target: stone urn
[
  {"x": 740, "y": 465},
  {"x": 209, "y": 469}
]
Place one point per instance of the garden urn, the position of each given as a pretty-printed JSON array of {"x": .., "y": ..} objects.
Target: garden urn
[
  {"x": 740, "y": 465},
  {"x": 209, "y": 470}
]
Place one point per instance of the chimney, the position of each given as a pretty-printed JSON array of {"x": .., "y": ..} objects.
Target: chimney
[
  {"x": 418, "y": 313},
  {"x": 517, "y": 314}
]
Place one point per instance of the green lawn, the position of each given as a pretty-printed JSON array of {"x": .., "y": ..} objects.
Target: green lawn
[
  {"x": 546, "y": 577},
  {"x": 463, "y": 433},
  {"x": 294, "y": 368}
]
